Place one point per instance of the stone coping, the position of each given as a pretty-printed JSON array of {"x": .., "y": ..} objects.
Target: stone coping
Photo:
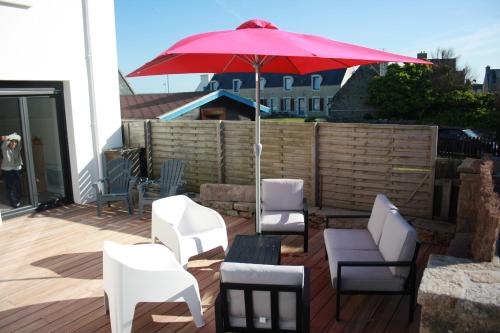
[{"x": 460, "y": 295}]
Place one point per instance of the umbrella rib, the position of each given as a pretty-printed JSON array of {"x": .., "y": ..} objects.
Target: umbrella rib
[
  {"x": 294, "y": 66},
  {"x": 340, "y": 62},
  {"x": 229, "y": 62}
]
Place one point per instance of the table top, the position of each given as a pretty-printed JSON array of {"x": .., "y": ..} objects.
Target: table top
[{"x": 255, "y": 249}]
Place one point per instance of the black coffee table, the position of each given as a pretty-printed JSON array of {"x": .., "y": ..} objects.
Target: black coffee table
[{"x": 255, "y": 249}]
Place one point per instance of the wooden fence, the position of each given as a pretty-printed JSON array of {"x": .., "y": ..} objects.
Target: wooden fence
[{"x": 343, "y": 165}]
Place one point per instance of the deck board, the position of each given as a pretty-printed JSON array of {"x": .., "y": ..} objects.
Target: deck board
[{"x": 51, "y": 277}]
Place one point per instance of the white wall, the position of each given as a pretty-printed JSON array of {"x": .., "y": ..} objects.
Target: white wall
[{"x": 46, "y": 42}]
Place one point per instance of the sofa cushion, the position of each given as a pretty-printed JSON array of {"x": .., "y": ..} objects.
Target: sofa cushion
[
  {"x": 262, "y": 274},
  {"x": 398, "y": 242},
  {"x": 362, "y": 278},
  {"x": 355, "y": 239},
  {"x": 282, "y": 221},
  {"x": 381, "y": 207},
  {"x": 282, "y": 194}
]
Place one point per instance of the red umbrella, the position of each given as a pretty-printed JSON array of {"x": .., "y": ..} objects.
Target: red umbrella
[{"x": 259, "y": 46}]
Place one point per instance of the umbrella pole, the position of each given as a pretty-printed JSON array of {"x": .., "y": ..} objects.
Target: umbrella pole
[{"x": 257, "y": 147}]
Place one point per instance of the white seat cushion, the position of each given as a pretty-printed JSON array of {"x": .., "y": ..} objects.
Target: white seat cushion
[
  {"x": 398, "y": 242},
  {"x": 362, "y": 278},
  {"x": 381, "y": 208},
  {"x": 262, "y": 274},
  {"x": 354, "y": 239},
  {"x": 282, "y": 194},
  {"x": 282, "y": 221},
  {"x": 196, "y": 243}
]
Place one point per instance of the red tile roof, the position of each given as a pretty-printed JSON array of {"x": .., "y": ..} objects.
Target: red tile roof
[{"x": 151, "y": 106}]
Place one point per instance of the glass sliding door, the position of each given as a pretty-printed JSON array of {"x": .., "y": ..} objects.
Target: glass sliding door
[
  {"x": 15, "y": 186},
  {"x": 44, "y": 180},
  {"x": 46, "y": 148}
]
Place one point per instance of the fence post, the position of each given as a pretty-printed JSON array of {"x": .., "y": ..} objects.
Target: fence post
[
  {"x": 219, "y": 128},
  {"x": 433, "y": 158},
  {"x": 149, "y": 148},
  {"x": 314, "y": 164}
]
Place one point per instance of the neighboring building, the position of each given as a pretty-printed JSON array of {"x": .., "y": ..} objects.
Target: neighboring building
[
  {"x": 477, "y": 88},
  {"x": 458, "y": 75},
  {"x": 203, "y": 105},
  {"x": 204, "y": 80},
  {"x": 59, "y": 89},
  {"x": 125, "y": 87},
  {"x": 288, "y": 95},
  {"x": 351, "y": 101},
  {"x": 491, "y": 80}
]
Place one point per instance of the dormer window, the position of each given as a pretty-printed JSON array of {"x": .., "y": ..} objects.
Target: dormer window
[
  {"x": 315, "y": 82},
  {"x": 262, "y": 83},
  {"x": 287, "y": 83},
  {"x": 236, "y": 86},
  {"x": 213, "y": 85}
]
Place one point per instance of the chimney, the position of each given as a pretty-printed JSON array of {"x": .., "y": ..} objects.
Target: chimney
[{"x": 422, "y": 55}]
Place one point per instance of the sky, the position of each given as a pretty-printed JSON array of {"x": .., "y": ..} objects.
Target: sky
[{"x": 471, "y": 28}]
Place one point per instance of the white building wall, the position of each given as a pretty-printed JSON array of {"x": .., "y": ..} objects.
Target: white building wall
[{"x": 46, "y": 42}]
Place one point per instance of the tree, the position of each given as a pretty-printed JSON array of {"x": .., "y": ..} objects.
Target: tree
[{"x": 403, "y": 93}]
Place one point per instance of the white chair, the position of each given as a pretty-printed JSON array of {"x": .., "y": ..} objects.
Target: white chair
[
  {"x": 284, "y": 208},
  {"x": 144, "y": 273},
  {"x": 186, "y": 227}
]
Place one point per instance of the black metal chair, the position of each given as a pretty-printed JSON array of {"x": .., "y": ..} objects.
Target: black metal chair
[
  {"x": 284, "y": 209},
  {"x": 271, "y": 315},
  {"x": 117, "y": 184}
]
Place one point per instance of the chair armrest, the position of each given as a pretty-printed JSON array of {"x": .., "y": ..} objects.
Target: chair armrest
[
  {"x": 345, "y": 216},
  {"x": 144, "y": 183}
]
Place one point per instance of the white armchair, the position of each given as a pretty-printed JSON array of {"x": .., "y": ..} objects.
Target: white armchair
[
  {"x": 186, "y": 227},
  {"x": 144, "y": 273}
]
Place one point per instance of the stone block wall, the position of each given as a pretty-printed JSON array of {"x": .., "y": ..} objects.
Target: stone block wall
[{"x": 228, "y": 199}]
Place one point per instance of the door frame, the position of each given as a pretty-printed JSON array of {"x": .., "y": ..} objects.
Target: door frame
[{"x": 50, "y": 89}]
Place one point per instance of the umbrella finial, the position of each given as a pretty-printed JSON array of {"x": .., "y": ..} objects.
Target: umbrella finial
[{"x": 257, "y": 23}]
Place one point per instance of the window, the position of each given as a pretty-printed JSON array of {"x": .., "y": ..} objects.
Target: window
[
  {"x": 287, "y": 104},
  {"x": 329, "y": 103},
  {"x": 315, "y": 82},
  {"x": 287, "y": 83},
  {"x": 301, "y": 106},
  {"x": 273, "y": 104},
  {"x": 316, "y": 104},
  {"x": 236, "y": 86},
  {"x": 262, "y": 83},
  {"x": 213, "y": 85}
]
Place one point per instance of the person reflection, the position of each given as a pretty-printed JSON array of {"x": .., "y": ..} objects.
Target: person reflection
[{"x": 11, "y": 167}]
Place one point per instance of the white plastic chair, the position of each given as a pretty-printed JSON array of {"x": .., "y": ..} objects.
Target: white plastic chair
[
  {"x": 144, "y": 273},
  {"x": 186, "y": 227}
]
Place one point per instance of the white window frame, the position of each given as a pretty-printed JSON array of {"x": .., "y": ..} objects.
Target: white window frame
[
  {"x": 238, "y": 81},
  {"x": 285, "y": 108},
  {"x": 285, "y": 79},
  {"x": 263, "y": 82},
  {"x": 213, "y": 85},
  {"x": 316, "y": 76},
  {"x": 273, "y": 103},
  {"x": 327, "y": 106},
  {"x": 297, "y": 105},
  {"x": 316, "y": 98}
]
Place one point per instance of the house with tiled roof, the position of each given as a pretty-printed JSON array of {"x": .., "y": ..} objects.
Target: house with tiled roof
[
  {"x": 196, "y": 105},
  {"x": 288, "y": 95}
]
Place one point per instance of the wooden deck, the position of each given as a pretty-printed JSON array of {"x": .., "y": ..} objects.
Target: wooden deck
[{"x": 51, "y": 269}]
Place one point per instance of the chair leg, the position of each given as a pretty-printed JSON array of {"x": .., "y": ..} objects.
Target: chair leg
[
  {"x": 130, "y": 205},
  {"x": 141, "y": 208},
  {"x": 306, "y": 241},
  {"x": 219, "y": 325},
  {"x": 99, "y": 207},
  {"x": 121, "y": 315},
  {"x": 337, "y": 308},
  {"x": 193, "y": 301},
  {"x": 106, "y": 303}
]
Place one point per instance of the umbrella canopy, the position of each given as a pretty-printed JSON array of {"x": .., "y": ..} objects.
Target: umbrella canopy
[
  {"x": 259, "y": 46},
  {"x": 279, "y": 52}
]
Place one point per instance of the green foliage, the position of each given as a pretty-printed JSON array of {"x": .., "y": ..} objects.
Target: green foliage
[
  {"x": 432, "y": 94},
  {"x": 403, "y": 93}
]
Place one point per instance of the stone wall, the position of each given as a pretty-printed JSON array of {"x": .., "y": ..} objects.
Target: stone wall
[
  {"x": 458, "y": 295},
  {"x": 231, "y": 200}
]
